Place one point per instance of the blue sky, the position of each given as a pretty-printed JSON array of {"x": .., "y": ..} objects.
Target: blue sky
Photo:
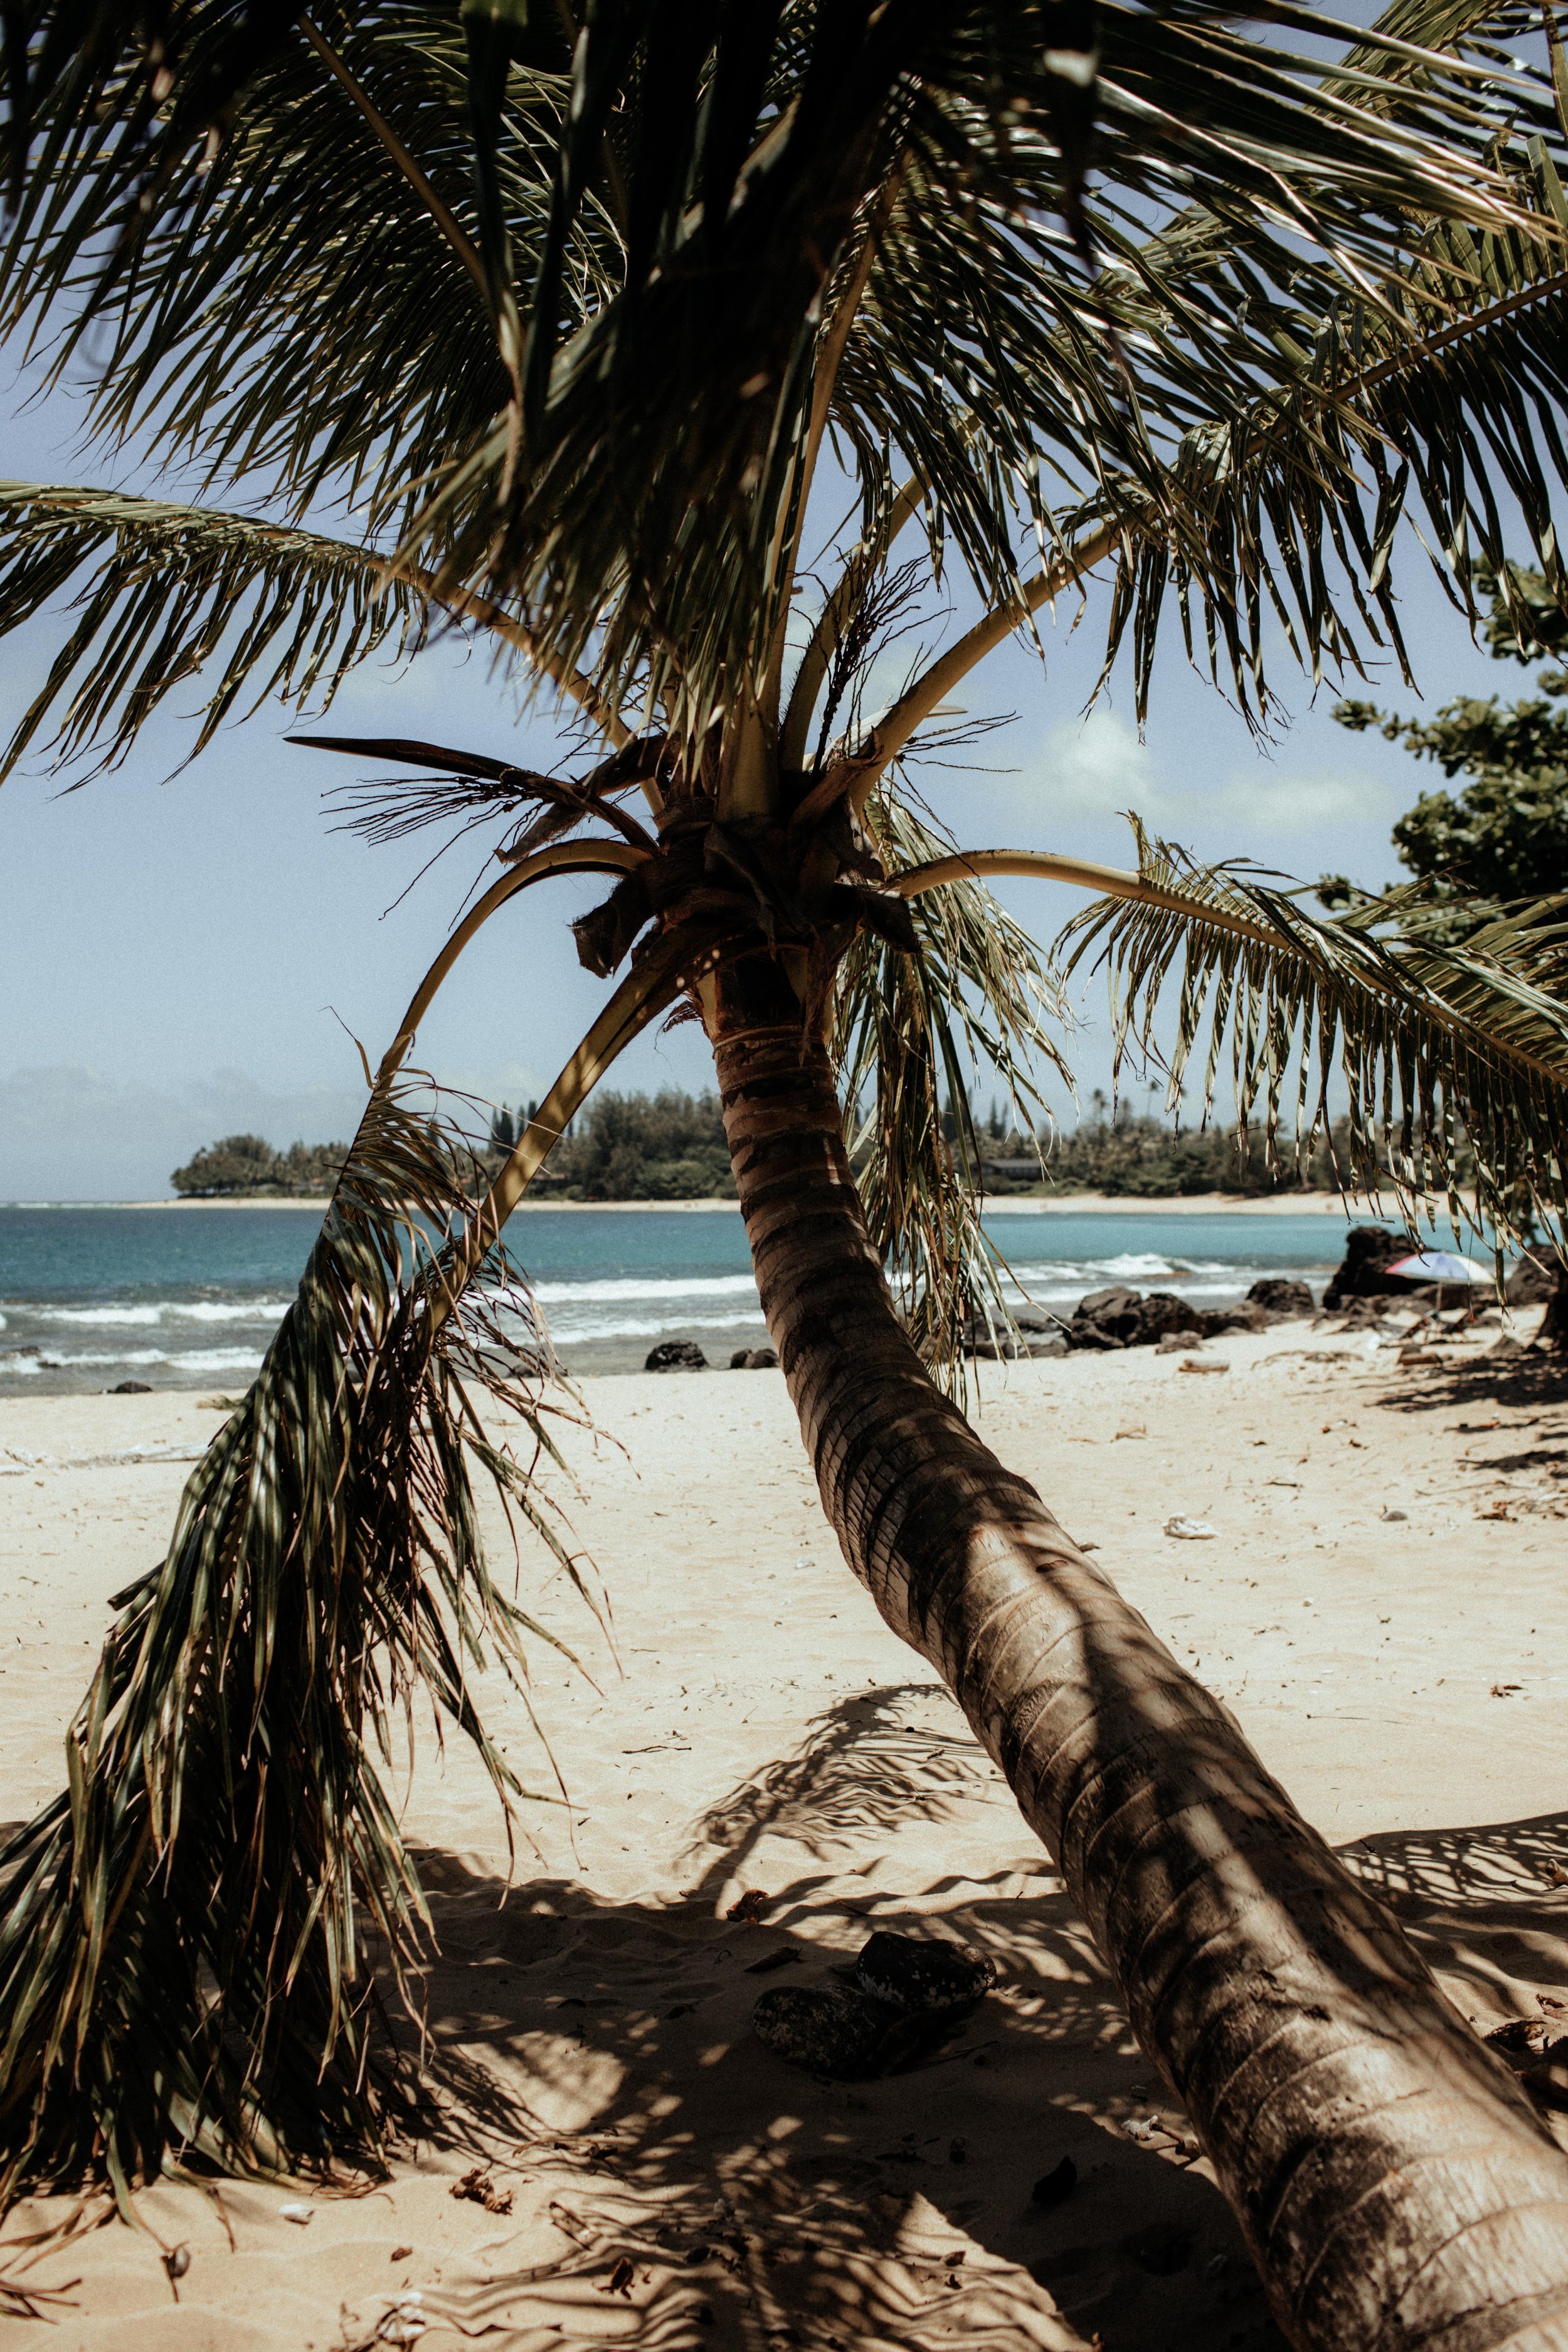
[{"x": 188, "y": 953}]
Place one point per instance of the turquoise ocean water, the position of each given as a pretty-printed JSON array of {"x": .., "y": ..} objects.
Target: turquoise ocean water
[{"x": 188, "y": 1297}]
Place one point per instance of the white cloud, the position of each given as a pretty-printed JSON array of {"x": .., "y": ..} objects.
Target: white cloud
[
  {"x": 67, "y": 1133},
  {"x": 1097, "y": 767}
]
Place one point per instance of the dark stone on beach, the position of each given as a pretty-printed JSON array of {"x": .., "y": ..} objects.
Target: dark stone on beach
[
  {"x": 1106, "y": 1311},
  {"x": 676, "y": 1356},
  {"x": 1212, "y": 1322},
  {"x": 920, "y": 1975},
  {"x": 1370, "y": 1251},
  {"x": 907, "y": 1991},
  {"x": 1012, "y": 1348},
  {"x": 1530, "y": 1284},
  {"x": 131, "y": 1388},
  {"x": 1033, "y": 1334},
  {"x": 842, "y": 2033},
  {"x": 1055, "y": 2187},
  {"x": 1277, "y": 1295},
  {"x": 1119, "y": 1317},
  {"x": 754, "y": 1359}
]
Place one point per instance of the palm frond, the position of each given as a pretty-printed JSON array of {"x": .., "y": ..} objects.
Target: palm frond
[
  {"x": 979, "y": 357},
  {"x": 188, "y": 1932},
  {"x": 264, "y": 279},
  {"x": 158, "y": 594},
  {"x": 1454, "y": 1057},
  {"x": 788, "y": 153},
  {"x": 910, "y": 1035},
  {"x": 1435, "y": 405}
]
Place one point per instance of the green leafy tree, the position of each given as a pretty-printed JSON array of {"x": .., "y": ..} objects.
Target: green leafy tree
[
  {"x": 247, "y": 1163},
  {"x": 240, "y": 1163},
  {"x": 576, "y": 314},
  {"x": 1502, "y": 839},
  {"x": 665, "y": 1146}
]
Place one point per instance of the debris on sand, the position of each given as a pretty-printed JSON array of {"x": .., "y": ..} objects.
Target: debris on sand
[
  {"x": 1055, "y": 2187},
  {"x": 907, "y": 1992},
  {"x": 478, "y": 2188}
]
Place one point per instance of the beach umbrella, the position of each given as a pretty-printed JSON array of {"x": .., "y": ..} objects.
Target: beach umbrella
[{"x": 1439, "y": 1266}]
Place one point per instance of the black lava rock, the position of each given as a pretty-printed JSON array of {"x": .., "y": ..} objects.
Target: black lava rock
[
  {"x": 131, "y": 1388},
  {"x": 1531, "y": 1285},
  {"x": 828, "y": 2031},
  {"x": 1370, "y": 1251},
  {"x": 1119, "y": 1317},
  {"x": 923, "y": 1976},
  {"x": 676, "y": 1356},
  {"x": 754, "y": 1359},
  {"x": 1277, "y": 1295},
  {"x": 907, "y": 1994},
  {"x": 1055, "y": 2187}
]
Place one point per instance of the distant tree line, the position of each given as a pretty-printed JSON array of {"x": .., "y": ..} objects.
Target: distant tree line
[
  {"x": 1119, "y": 1152},
  {"x": 663, "y": 1147},
  {"x": 670, "y": 1147},
  {"x": 246, "y": 1163}
]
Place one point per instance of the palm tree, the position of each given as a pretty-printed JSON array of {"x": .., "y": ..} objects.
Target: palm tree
[{"x": 575, "y": 320}]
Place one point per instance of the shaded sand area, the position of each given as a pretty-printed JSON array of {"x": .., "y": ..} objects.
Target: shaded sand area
[{"x": 654, "y": 2178}]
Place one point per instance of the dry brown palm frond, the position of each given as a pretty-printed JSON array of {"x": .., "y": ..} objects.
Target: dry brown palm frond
[
  {"x": 910, "y": 1035},
  {"x": 184, "y": 1939},
  {"x": 1444, "y": 1051}
]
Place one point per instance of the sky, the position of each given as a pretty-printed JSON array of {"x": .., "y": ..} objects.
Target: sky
[{"x": 190, "y": 951}]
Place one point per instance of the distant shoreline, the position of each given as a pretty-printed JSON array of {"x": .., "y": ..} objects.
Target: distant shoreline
[{"x": 1186, "y": 1204}]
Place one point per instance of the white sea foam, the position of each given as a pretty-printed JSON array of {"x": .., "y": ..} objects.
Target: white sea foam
[
  {"x": 23, "y": 1365},
  {"x": 567, "y": 1328},
  {"x": 641, "y": 1287},
  {"x": 193, "y": 1360},
  {"x": 198, "y": 1310}
]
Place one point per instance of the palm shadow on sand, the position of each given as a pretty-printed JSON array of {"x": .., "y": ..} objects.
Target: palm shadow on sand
[
  {"x": 608, "y": 2045},
  {"x": 598, "y": 2056}
]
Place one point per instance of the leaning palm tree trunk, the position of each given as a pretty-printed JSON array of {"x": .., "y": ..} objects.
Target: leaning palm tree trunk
[{"x": 1396, "y": 2187}]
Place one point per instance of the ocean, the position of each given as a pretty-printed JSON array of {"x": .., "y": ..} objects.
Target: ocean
[{"x": 189, "y": 1297}]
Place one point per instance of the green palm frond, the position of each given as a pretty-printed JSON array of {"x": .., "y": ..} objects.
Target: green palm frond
[
  {"x": 1436, "y": 404},
  {"x": 187, "y": 1933},
  {"x": 285, "y": 299},
  {"x": 1454, "y": 1058},
  {"x": 910, "y": 1035},
  {"x": 156, "y": 594},
  {"x": 980, "y": 356},
  {"x": 274, "y": 291}
]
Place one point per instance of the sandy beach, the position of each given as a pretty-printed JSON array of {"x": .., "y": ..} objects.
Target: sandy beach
[
  {"x": 1379, "y": 1604},
  {"x": 1012, "y": 1205}
]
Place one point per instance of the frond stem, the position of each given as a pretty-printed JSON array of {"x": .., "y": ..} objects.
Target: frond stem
[
  {"x": 556, "y": 858},
  {"x": 896, "y": 726},
  {"x": 1117, "y": 882},
  {"x": 825, "y": 637},
  {"x": 441, "y": 214},
  {"x": 825, "y": 375},
  {"x": 1110, "y": 881}
]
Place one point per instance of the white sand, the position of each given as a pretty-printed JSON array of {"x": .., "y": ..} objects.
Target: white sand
[
  {"x": 1026, "y": 1205},
  {"x": 764, "y": 1731}
]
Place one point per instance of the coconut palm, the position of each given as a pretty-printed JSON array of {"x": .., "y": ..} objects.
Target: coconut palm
[{"x": 595, "y": 324}]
